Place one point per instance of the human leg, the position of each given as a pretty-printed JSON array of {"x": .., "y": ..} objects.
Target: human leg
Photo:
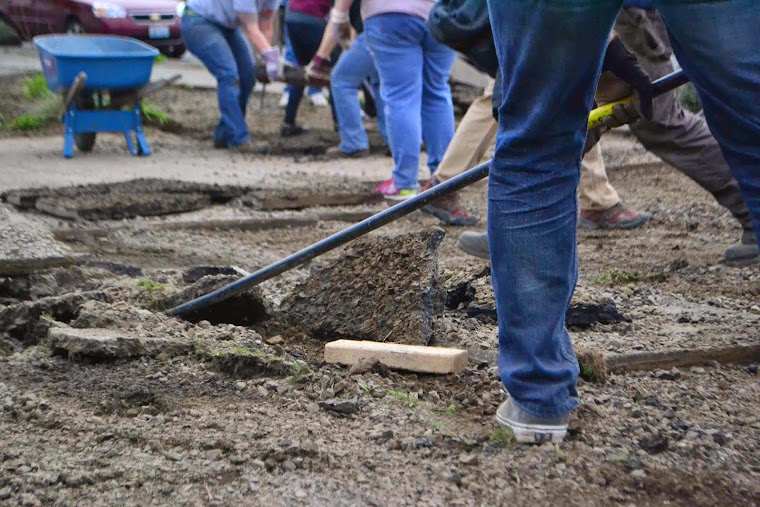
[
  {"x": 241, "y": 50},
  {"x": 716, "y": 44},
  {"x": 532, "y": 203},
  {"x": 679, "y": 137},
  {"x": 348, "y": 74},
  {"x": 305, "y": 35},
  {"x": 474, "y": 134},
  {"x": 208, "y": 41},
  {"x": 395, "y": 43},
  {"x": 437, "y": 108}
]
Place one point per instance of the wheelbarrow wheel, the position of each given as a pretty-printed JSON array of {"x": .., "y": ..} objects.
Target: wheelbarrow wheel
[{"x": 85, "y": 142}]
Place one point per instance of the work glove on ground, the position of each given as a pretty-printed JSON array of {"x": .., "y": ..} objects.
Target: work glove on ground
[
  {"x": 341, "y": 27},
  {"x": 624, "y": 64},
  {"x": 318, "y": 72}
]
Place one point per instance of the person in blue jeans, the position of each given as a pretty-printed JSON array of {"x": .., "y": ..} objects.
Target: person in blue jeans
[
  {"x": 550, "y": 53},
  {"x": 213, "y": 31},
  {"x": 414, "y": 73},
  {"x": 315, "y": 94},
  {"x": 354, "y": 67}
]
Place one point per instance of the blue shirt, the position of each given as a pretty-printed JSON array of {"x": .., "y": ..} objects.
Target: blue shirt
[
  {"x": 225, "y": 12},
  {"x": 643, "y": 4}
]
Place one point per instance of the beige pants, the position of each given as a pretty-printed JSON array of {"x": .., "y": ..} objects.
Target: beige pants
[{"x": 477, "y": 132}]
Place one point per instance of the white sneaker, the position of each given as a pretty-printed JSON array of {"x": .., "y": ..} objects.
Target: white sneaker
[
  {"x": 284, "y": 99},
  {"x": 318, "y": 100},
  {"x": 529, "y": 429}
]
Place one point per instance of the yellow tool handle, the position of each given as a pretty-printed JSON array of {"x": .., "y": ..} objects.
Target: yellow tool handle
[{"x": 597, "y": 115}]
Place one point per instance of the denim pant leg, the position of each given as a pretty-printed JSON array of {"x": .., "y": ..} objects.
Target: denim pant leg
[
  {"x": 374, "y": 81},
  {"x": 245, "y": 65},
  {"x": 550, "y": 54},
  {"x": 352, "y": 69},
  {"x": 395, "y": 41},
  {"x": 437, "y": 108},
  {"x": 209, "y": 42},
  {"x": 305, "y": 36},
  {"x": 716, "y": 43}
]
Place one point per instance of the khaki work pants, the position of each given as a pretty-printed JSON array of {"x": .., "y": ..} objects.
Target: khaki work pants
[{"x": 476, "y": 134}]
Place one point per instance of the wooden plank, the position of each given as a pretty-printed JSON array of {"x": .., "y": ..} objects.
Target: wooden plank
[
  {"x": 664, "y": 359},
  {"x": 394, "y": 355}
]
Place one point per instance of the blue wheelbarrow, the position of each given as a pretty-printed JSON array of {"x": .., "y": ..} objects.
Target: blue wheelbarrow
[{"x": 102, "y": 79}]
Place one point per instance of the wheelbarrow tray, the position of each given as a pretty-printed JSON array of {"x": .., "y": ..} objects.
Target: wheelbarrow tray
[{"x": 110, "y": 62}]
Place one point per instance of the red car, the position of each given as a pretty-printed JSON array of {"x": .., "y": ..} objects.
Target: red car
[{"x": 156, "y": 22}]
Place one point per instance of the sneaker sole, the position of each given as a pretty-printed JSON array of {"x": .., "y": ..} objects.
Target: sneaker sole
[
  {"x": 446, "y": 217},
  {"x": 395, "y": 199},
  {"x": 589, "y": 225},
  {"x": 475, "y": 253},
  {"x": 534, "y": 434}
]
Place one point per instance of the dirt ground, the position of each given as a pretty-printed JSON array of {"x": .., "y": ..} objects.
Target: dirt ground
[{"x": 231, "y": 415}]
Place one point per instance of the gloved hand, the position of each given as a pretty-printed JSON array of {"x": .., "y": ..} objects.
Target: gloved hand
[
  {"x": 341, "y": 27},
  {"x": 318, "y": 71},
  {"x": 273, "y": 63},
  {"x": 625, "y": 66}
]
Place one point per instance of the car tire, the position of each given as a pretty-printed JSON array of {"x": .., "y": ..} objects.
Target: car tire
[
  {"x": 74, "y": 27},
  {"x": 174, "y": 51},
  {"x": 85, "y": 142}
]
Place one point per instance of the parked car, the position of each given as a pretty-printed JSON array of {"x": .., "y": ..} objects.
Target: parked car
[{"x": 156, "y": 22}]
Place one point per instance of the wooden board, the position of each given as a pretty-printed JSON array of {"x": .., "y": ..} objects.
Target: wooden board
[{"x": 394, "y": 355}]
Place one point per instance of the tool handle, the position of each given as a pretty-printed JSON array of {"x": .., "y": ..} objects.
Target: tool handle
[{"x": 659, "y": 87}]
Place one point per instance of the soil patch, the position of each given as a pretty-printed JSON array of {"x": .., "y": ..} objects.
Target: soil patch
[
  {"x": 382, "y": 289},
  {"x": 26, "y": 247},
  {"x": 116, "y": 201},
  {"x": 327, "y": 192}
]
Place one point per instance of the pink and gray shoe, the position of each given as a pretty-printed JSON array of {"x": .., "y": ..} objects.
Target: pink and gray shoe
[{"x": 391, "y": 193}]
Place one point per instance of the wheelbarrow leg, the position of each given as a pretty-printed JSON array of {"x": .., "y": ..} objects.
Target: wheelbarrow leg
[
  {"x": 68, "y": 134},
  {"x": 142, "y": 143},
  {"x": 130, "y": 142}
]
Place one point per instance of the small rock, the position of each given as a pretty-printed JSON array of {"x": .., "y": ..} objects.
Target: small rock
[
  {"x": 468, "y": 459},
  {"x": 654, "y": 444},
  {"x": 638, "y": 474},
  {"x": 237, "y": 459},
  {"x": 148, "y": 410},
  {"x": 156, "y": 421},
  {"x": 275, "y": 340},
  {"x": 263, "y": 391},
  {"x": 752, "y": 369},
  {"x": 312, "y": 408},
  {"x": 719, "y": 438},
  {"x": 213, "y": 454},
  {"x": 240, "y": 385},
  {"x": 340, "y": 406},
  {"x": 5, "y": 493},
  {"x": 673, "y": 374}
]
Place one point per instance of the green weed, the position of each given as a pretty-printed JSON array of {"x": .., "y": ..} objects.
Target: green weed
[
  {"x": 36, "y": 87},
  {"x": 503, "y": 437},
  {"x": 48, "y": 317},
  {"x": 160, "y": 58},
  {"x": 366, "y": 389},
  {"x": 27, "y": 122},
  {"x": 410, "y": 399},
  {"x": 153, "y": 113},
  {"x": 610, "y": 276},
  {"x": 299, "y": 370},
  {"x": 150, "y": 285}
]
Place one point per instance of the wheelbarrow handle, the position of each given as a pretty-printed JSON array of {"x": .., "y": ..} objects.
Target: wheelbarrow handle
[
  {"x": 376, "y": 221},
  {"x": 155, "y": 86},
  {"x": 72, "y": 93}
]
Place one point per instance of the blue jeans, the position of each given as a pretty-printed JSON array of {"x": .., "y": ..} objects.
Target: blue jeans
[
  {"x": 550, "y": 54},
  {"x": 227, "y": 55},
  {"x": 414, "y": 87},
  {"x": 305, "y": 39},
  {"x": 353, "y": 68},
  {"x": 290, "y": 56}
]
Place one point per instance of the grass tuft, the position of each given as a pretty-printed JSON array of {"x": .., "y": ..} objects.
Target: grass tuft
[
  {"x": 27, "y": 122},
  {"x": 503, "y": 437},
  {"x": 610, "y": 276},
  {"x": 154, "y": 114},
  {"x": 36, "y": 87}
]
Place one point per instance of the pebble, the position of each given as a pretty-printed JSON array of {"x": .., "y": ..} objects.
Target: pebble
[
  {"x": 469, "y": 459},
  {"x": 752, "y": 369},
  {"x": 638, "y": 474},
  {"x": 240, "y": 385}
]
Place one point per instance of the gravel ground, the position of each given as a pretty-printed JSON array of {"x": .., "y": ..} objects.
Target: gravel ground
[{"x": 233, "y": 415}]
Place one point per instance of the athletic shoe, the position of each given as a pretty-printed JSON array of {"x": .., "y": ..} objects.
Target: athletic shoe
[
  {"x": 284, "y": 100},
  {"x": 318, "y": 100},
  {"x": 336, "y": 152},
  {"x": 617, "y": 217},
  {"x": 744, "y": 252},
  {"x": 391, "y": 193},
  {"x": 448, "y": 208},
  {"x": 530, "y": 429},
  {"x": 288, "y": 130},
  {"x": 475, "y": 244}
]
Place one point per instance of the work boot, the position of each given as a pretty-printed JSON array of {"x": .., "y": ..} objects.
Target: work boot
[
  {"x": 746, "y": 251},
  {"x": 531, "y": 429},
  {"x": 336, "y": 152},
  {"x": 289, "y": 130},
  {"x": 619, "y": 216},
  {"x": 475, "y": 243},
  {"x": 251, "y": 148},
  {"x": 448, "y": 209}
]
